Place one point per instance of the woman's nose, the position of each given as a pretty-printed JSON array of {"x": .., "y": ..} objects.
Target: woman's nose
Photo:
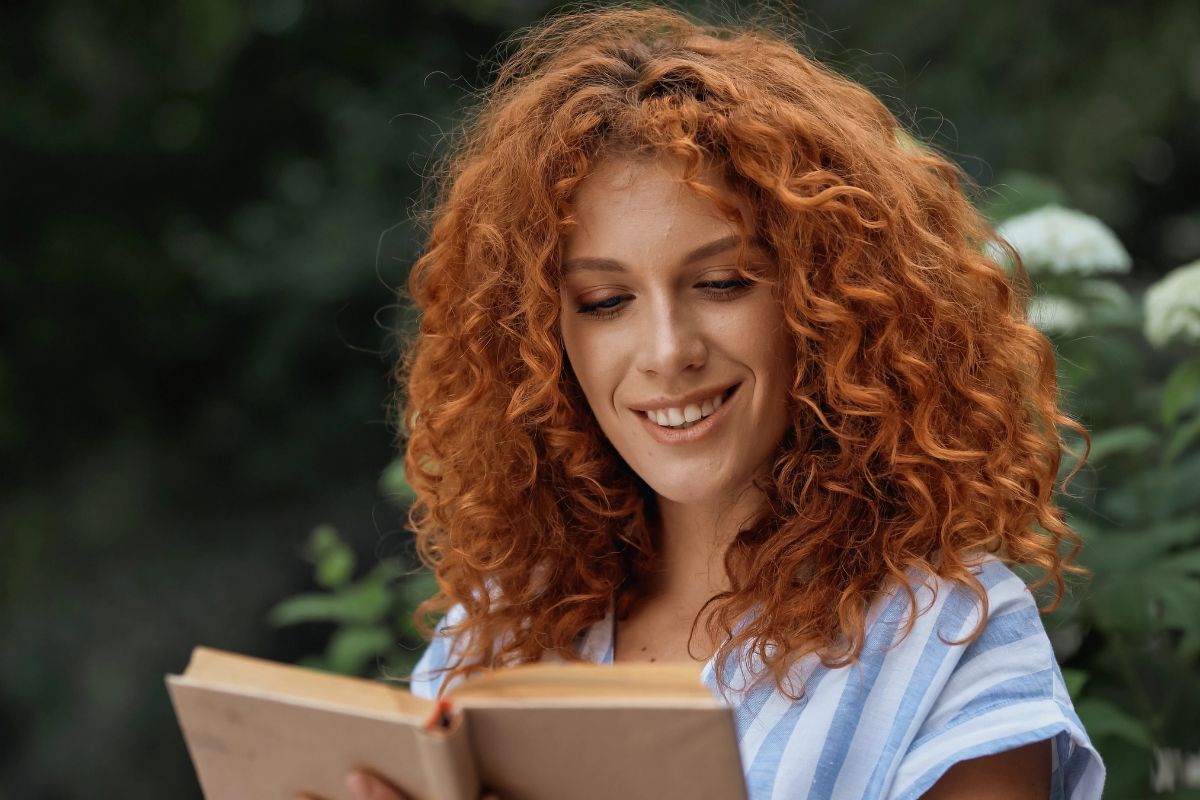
[{"x": 672, "y": 341}]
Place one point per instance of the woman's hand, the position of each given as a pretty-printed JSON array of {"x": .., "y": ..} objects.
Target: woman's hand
[{"x": 366, "y": 786}]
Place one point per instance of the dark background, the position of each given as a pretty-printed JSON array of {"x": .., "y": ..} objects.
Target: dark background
[{"x": 205, "y": 223}]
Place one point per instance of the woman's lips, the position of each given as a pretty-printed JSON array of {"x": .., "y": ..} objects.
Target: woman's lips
[{"x": 701, "y": 430}]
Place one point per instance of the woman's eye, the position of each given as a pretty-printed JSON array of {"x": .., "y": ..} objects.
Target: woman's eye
[
  {"x": 725, "y": 286},
  {"x": 717, "y": 290},
  {"x": 603, "y": 309}
]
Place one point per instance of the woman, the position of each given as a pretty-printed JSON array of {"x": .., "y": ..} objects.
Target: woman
[{"x": 716, "y": 364}]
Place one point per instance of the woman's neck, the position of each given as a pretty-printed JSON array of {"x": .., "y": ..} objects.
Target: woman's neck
[{"x": 693, "y": 538}]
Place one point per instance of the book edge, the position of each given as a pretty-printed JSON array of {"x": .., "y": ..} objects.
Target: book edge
[{"x": 255, "y": 693}]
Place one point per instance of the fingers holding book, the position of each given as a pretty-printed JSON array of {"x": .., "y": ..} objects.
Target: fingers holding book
[{"x": 365, "y": 786}]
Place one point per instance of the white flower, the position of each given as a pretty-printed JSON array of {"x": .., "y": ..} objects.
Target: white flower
[
  {"x": 1175, "y": 769},
  {"x": 1060, "y": 240},
  {"x": 1054, "y": 314},
  {"x": 1172, "y": 306}
]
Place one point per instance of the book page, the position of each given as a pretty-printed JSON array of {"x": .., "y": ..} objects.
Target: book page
[
  {"x": 618, "y": 749},
  {"x": 663, "y": 682}
]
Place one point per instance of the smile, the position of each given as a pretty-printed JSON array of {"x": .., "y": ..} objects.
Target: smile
[
  {"x": 688, "y": 415},
  {"x": 690, "y": 423}
]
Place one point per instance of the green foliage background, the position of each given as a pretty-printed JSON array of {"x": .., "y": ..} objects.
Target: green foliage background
[{"x": 205, "y": 222}]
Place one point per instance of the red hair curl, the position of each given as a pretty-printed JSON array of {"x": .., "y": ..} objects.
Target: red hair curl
[{"x": 924, "y": 403}]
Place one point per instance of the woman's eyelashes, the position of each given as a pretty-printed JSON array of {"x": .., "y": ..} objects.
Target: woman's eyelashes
[{"x": 716, "y": 290}]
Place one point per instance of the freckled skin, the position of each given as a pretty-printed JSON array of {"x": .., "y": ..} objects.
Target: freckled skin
[{"x": 671, "y": 336}]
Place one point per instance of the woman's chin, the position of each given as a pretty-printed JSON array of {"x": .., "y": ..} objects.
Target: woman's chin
[{"x": 685, "y": 490}]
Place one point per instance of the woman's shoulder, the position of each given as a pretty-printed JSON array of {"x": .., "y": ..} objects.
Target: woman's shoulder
[
  {"x": 914, "y": 703},
  {"x": 922, "y": 646},
  {"x": 1005, "y": 591},
  {"x": 1001, "y": 690},
  {"x": 932, "y": 620}
]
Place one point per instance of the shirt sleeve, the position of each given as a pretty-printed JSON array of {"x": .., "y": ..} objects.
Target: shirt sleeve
[
  {"x": 426, "y": 679},
  {"x": 1005, "y": 690}
]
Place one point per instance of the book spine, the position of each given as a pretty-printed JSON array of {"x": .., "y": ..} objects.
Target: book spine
[{"x": 446, "y": 755}]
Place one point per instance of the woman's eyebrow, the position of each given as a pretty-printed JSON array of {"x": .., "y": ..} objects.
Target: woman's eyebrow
[{"x": 715, "y": 247}]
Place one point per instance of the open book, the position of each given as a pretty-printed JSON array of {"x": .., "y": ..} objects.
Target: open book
[{"x": 553, "y": 731}]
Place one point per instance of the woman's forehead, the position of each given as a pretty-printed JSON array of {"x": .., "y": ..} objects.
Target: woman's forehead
[
  {"x": 625, "y": 197},
  {"x": 622, "y": 170}
]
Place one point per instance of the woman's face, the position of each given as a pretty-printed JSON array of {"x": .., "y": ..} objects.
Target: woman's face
[{"x": 655, "y": 317}]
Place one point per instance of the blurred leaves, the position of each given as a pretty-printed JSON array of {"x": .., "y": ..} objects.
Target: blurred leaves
[
  {"x": 1123, "y": 440},
  {"x": 1102, "y": 718},
  {"x": 1183, "y": 436},
  {"x": 333, "y": 559},
  {"x": 1017, "y": 192},
  {"x": 394, "y": 485},
  {"x": 372, "y": 615},
  {"x": 206, "y": 223},
  {"x": 1130, "y": 638},
  {"x": 1075, "y": 679},
  {"x": 362, "y": 603},
  {"x": 1181, "y": 391}
]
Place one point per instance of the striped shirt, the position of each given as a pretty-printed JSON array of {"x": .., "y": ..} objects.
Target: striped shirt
[{"x": 890, "y": 724}]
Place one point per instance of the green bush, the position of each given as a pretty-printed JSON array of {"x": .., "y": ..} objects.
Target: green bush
[{"x": 1128, "y": 639}]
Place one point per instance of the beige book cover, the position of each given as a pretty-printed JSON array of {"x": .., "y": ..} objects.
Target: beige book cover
[{"x": 552, "y": 731}]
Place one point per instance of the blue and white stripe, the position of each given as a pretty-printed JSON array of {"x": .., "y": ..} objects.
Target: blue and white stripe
[{"x": 889, "y": 725}]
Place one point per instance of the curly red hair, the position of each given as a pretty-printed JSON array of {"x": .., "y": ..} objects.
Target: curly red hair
[{"x": 925, "y": 404}]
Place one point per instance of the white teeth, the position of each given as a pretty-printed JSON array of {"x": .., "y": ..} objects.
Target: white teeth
[{"x": 687, "y": 416}]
